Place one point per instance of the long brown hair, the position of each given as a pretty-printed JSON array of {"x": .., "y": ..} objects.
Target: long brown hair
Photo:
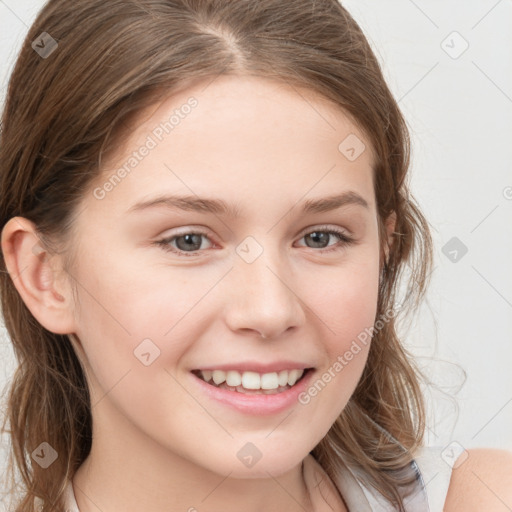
[{"x": 63, "y": 111}]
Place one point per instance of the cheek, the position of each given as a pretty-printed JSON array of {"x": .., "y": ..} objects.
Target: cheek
[
  {"x": 130, "y": 297},
  {"x": 346, "y": 304},
  {"x": 130, "y": 316},
  {"x": 345, "y": 299}
]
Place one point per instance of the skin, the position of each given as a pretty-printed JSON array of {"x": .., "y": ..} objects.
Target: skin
[
  {"x": 481, "y": 482},
  {"x": 145, "y": 456},
  {"x": 158, "y": 440}
]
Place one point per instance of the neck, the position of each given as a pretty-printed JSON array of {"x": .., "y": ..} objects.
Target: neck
[{"x": 126, "y": 470}]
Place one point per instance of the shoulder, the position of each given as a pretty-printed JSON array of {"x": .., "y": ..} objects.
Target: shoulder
[{"x": 482, "y": 481}]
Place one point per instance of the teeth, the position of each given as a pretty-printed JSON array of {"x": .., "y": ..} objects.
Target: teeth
[
  {"x": 282, "y": 378},
  {"x": 233, "y": 379},
  {"x": 269, "y": 381},
  {"x": 294, "y": 376},
  {"x": 218, "y": 376},
  {"x": 253, "y": 380}
]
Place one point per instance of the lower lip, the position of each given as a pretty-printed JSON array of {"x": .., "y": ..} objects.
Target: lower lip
[{"x": 256, "y": 404}]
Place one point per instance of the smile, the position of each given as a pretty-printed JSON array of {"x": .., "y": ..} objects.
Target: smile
[{"x": 250, "y": 382}]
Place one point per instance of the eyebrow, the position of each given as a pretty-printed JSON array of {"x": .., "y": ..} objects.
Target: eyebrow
[{"x": 220, "y": 207}]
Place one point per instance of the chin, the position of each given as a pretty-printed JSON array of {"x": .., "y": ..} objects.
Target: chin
[{"x": 275, "y": 463}]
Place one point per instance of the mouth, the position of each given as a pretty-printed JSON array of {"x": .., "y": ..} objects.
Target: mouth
[{"x": 253, "y": 383}]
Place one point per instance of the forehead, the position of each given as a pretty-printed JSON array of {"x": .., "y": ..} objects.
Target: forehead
[{"x": 240, "y": 136}]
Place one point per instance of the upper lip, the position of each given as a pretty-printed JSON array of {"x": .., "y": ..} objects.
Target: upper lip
[{"x": 251, "y": 366}]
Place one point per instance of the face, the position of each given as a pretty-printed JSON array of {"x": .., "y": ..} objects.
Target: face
[{"x": 182, "y": 285}]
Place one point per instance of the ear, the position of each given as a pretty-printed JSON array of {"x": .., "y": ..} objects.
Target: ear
[
  {"x": 390, "y": 225},
  {"x": 35, "y": 272}
]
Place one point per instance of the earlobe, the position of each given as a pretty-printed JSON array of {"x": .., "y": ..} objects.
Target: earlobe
[{"x": 33, "y": 271}]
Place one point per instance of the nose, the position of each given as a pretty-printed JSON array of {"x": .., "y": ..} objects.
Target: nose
[{"x": 262, "y": 297}]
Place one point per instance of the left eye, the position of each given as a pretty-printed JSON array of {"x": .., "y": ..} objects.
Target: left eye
[
  {"x": 319, "y": 236},
  {"x": 189, "y": 243}
]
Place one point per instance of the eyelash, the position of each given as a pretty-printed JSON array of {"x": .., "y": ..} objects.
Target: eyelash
[{"x": 345, "y": 240}]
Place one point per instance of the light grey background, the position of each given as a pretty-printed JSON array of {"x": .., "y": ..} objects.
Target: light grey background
[{"x": 459, "y": 110}]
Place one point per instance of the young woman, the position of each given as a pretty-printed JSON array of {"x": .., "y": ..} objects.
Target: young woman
[{"x": 205, "y": 220}]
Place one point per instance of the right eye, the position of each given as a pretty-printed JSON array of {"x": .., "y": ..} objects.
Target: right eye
[{"x": 184, "y": 241}]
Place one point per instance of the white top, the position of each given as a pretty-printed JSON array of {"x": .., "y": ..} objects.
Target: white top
[{"x": 433, "y": 478}]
